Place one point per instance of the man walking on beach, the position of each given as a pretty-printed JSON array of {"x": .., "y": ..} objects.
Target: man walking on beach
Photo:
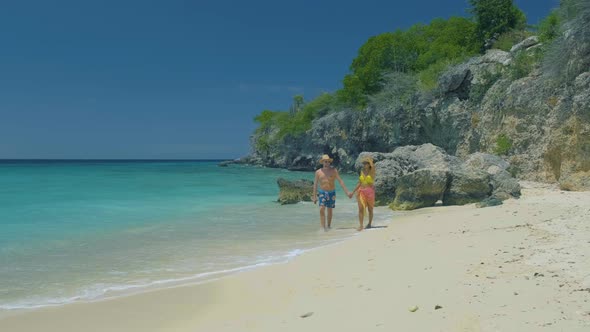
[{"x": 326, "y": 177}]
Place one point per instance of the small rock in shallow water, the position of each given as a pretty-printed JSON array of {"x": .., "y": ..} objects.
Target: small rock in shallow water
[
  {"x": 306, "y": 314},
  {"x": 436, "y": 307}
]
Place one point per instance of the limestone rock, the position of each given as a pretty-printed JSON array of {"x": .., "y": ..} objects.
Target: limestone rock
[
  {"x": 303, "y": 163},
  {"x": 504, "y": 185},
  {"x": 417, "y": 176},
  {"x": 490, "y": 201},
  {"x": 403, "y": 160},
  {"x": 387, "y": 173},
  {"x": 478, "y": 101},
  {"x": 418, "y": 189},
  {"x": 484, "y": 161},
  {"x": 452, "y": 79},
  {"x": 495, "y": 56},
  {"x": 467, "y": 186},
  {"x": 576, "y": 182},
  {"x": 523, "y": 45},
  {"x": 291, "y": 192}
]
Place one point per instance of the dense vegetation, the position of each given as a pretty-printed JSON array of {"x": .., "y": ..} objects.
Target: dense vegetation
[
  {"x": 390, "y": 69},
  {"x": 494, "y": 18}
]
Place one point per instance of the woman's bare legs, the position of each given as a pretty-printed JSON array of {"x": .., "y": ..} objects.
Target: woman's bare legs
[
  {"x": 361, "y": 213},
  {"x": 370, "y": 209}
]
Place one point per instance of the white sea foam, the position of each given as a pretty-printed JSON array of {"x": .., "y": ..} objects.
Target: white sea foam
[{"x": 103, "y": 291}]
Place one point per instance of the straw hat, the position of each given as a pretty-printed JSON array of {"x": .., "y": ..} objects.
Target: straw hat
[
  {"x": 325, "y": 158},
  {"x": 368, "y": 160}
]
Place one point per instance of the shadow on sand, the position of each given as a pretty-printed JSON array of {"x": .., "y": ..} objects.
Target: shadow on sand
[{"x": 372, "y": 227}]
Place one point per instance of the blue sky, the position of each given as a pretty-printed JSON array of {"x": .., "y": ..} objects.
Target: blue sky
[{"x": 177, "y": 79}]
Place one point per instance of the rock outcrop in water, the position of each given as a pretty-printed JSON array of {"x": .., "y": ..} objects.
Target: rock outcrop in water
[{"x": 291, "y": 192}]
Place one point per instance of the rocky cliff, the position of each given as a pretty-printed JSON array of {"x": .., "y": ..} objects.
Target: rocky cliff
[{"x": 502, "y": 103}]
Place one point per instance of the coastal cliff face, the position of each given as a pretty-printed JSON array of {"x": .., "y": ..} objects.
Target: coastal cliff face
[{"x": 503, "y": 103}]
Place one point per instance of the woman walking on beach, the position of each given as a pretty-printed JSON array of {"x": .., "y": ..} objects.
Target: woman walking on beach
[{"x": 366, "y": 192}]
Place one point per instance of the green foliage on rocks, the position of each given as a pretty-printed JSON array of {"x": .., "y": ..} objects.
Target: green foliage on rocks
[
  {"x": 269, "y": 122},
  {"x": 399, "y": 91},
  {"x": 549, "y": 27},
  {"x": 509, "y": 39},
  {"x": 495, "y": 17},
  {"x": 402, "y": 83},
  {"x": 422, "y": 49},
  {"x": 478, "y": 91},
  {"x": 525, "y": 62},
  {"x": 503, "y": 144},
  {"x": 274, "y": 126}
]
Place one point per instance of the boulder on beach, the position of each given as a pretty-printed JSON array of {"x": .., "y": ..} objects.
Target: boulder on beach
[
  {"x": 467, "y": 185},
  {"x": 418, "y": 189},
  {"x": 413, "y": 177}
]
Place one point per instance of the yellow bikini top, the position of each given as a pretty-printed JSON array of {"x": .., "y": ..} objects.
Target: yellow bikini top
[{"x": 366, "y": 179}]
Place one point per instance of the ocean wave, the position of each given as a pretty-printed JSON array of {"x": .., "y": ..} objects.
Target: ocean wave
[{"x": 102, "y": 291}]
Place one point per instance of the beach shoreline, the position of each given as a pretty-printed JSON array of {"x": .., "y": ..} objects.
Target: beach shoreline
[
  {"x": 80, "y": 231},
  {"x": 206, "y": 277},
  {"x": 521, "y": 266}
]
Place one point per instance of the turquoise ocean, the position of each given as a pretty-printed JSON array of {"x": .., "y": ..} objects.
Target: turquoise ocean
[{"x": 86, "y": 230}]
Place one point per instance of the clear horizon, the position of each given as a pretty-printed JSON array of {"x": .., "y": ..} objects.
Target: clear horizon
[{"x": 181, "y": 80}]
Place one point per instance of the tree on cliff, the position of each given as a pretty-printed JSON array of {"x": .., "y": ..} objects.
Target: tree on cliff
[
  {"x": 406, "y": 51},
  {"x": 494, "y": 17},
  {"x": 297, "y": 105}
]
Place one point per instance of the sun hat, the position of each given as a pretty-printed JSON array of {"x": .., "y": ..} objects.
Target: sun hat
[
  {"x": 368, "y": 160},
  {"x": 325, "y": 158}
]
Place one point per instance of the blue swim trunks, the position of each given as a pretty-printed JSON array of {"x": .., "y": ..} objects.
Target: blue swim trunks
[{"x": 327, "y": 198}]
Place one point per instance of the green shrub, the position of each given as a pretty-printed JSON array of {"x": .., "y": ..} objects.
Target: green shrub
[
  {"x": 428, "y": 78},
  {"x": 274, "y": 126},
  {"x": 549, "y": 27},
  {"x": 408, "y": 51},
  {"x": 269, "y": 122},
  {"x": 399, "y": 90},
  {"x": 299, "y": 122},
  {"x": 503, "y": 144},
  {"x": 509, "y": 39},
  {"x": 353, "y": 92},
  {"x": 525, "y": 62},
  {"x": 495, "y": 17}
]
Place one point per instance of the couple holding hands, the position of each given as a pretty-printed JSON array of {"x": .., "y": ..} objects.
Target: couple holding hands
[{"x": 326, "y": 195}]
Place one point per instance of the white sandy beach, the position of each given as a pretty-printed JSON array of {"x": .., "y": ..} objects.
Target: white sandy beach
[{"x": 521, "y": 266}]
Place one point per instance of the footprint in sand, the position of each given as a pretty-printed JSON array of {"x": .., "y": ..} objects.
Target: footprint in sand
[{"x": 469, "y": 323}]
